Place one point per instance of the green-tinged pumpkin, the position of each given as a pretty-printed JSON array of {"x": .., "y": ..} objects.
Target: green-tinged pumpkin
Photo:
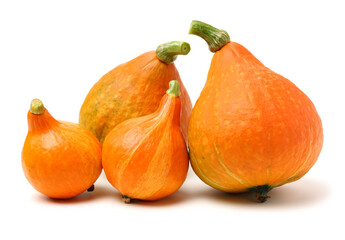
[{"x": 134, "y": 89}]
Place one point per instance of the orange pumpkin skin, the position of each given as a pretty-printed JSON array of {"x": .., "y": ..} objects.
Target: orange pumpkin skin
[
  {"x": 131, "y": 90},
  {"x": 60, "y": 159},
  {"x": 251, "y": 128},
  {"x": 146, "y": 158}
]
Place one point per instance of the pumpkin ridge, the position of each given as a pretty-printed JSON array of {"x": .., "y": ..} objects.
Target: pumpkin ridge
[
  {"x": 121, "y": 169},
  {"x": 210, "y": 182},
  {"x": 301, "y": 167},
  {"x": 158, "y": 120},
  {"x": 290, "y": 179},
  {"x": 230, "y": 173},
  {"x": 147, "y": 173}
]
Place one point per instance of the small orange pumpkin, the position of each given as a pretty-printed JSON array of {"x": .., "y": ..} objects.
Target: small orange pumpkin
[
  {"x": 134, "y": 89},
  {"x": 59, "y": 159},
  {"x": 146, "y": 158},
  {"x": 251, "y": 129}
]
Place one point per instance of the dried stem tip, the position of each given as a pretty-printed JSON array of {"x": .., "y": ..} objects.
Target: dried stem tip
[
  {"x": 174, "y": 88},
  {"x": 126, "y": 199},
  {"x": 36, "y": 106}
]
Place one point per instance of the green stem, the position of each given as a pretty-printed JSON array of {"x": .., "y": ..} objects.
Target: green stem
[
  {"x": 167, "y": 52},
  {"x": 36, "y": 107},
  {"x": 215, "y": 38},
  {"x": 174, "y": 88},
  {"x": 261, "y": 192}
]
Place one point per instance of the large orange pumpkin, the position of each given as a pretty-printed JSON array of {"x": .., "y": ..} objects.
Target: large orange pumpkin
[
  {"x": 59, "y": 159},
  {"x": 251, "y": 129},
  {"x": 146, "y": 158},
  {"x": 134, "y": 89}
]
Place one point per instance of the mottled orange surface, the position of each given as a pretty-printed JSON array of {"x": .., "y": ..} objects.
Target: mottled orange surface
[
  {"x": 60, "y": 159},
  {"x": 146, "y": 158},
  {"x": 251, "y": 126},
  {"x": 130, "y": 90}
]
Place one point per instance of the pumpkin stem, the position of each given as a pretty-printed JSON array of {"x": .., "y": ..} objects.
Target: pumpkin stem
[
  {"x": 90, "y": 189},
  {"x": 167, "y": 52},
  {"x": 36, "y": 107},
  {"x": 215, "y": 38},
  {"x": 126, "y": 199},
  {"x": 174, "y": 88},
  {"x": 261, "y": 192}
]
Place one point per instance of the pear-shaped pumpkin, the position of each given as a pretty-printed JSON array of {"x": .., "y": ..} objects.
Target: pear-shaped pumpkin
[
  {"x": 60, "y": 159},
  {"x": 134, "y": 89},
  {"x": 251, "y": 129},
  {"x": 146, "y": 158}
]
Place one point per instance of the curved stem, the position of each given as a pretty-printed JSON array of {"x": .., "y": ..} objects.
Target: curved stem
[
  {"x": 261, "y": 192},
  {"x": 215, "y": 38},
  {"x": 36, "y": 107},
  {"x": 174, "y": 88},
  {"x": 167, "y": 52}
]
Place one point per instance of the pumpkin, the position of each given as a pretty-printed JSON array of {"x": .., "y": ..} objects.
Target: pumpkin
[
  {"x": 251, "y": 129},
  {"x": 59, "y": 159},
  {"x": 146, "y": 158},
  {"x": 134, "y": 89}
]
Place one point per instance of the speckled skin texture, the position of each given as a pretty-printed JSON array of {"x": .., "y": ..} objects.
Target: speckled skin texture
[
  {"x": 251, "y": 126},
  {"x": 130, "y": 90},
  {"x": 146, "y": 158},
  {"x": 60, "y": 159}
]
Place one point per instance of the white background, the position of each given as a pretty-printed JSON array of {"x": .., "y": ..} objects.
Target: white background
[{"x": 57, "y": 50}]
